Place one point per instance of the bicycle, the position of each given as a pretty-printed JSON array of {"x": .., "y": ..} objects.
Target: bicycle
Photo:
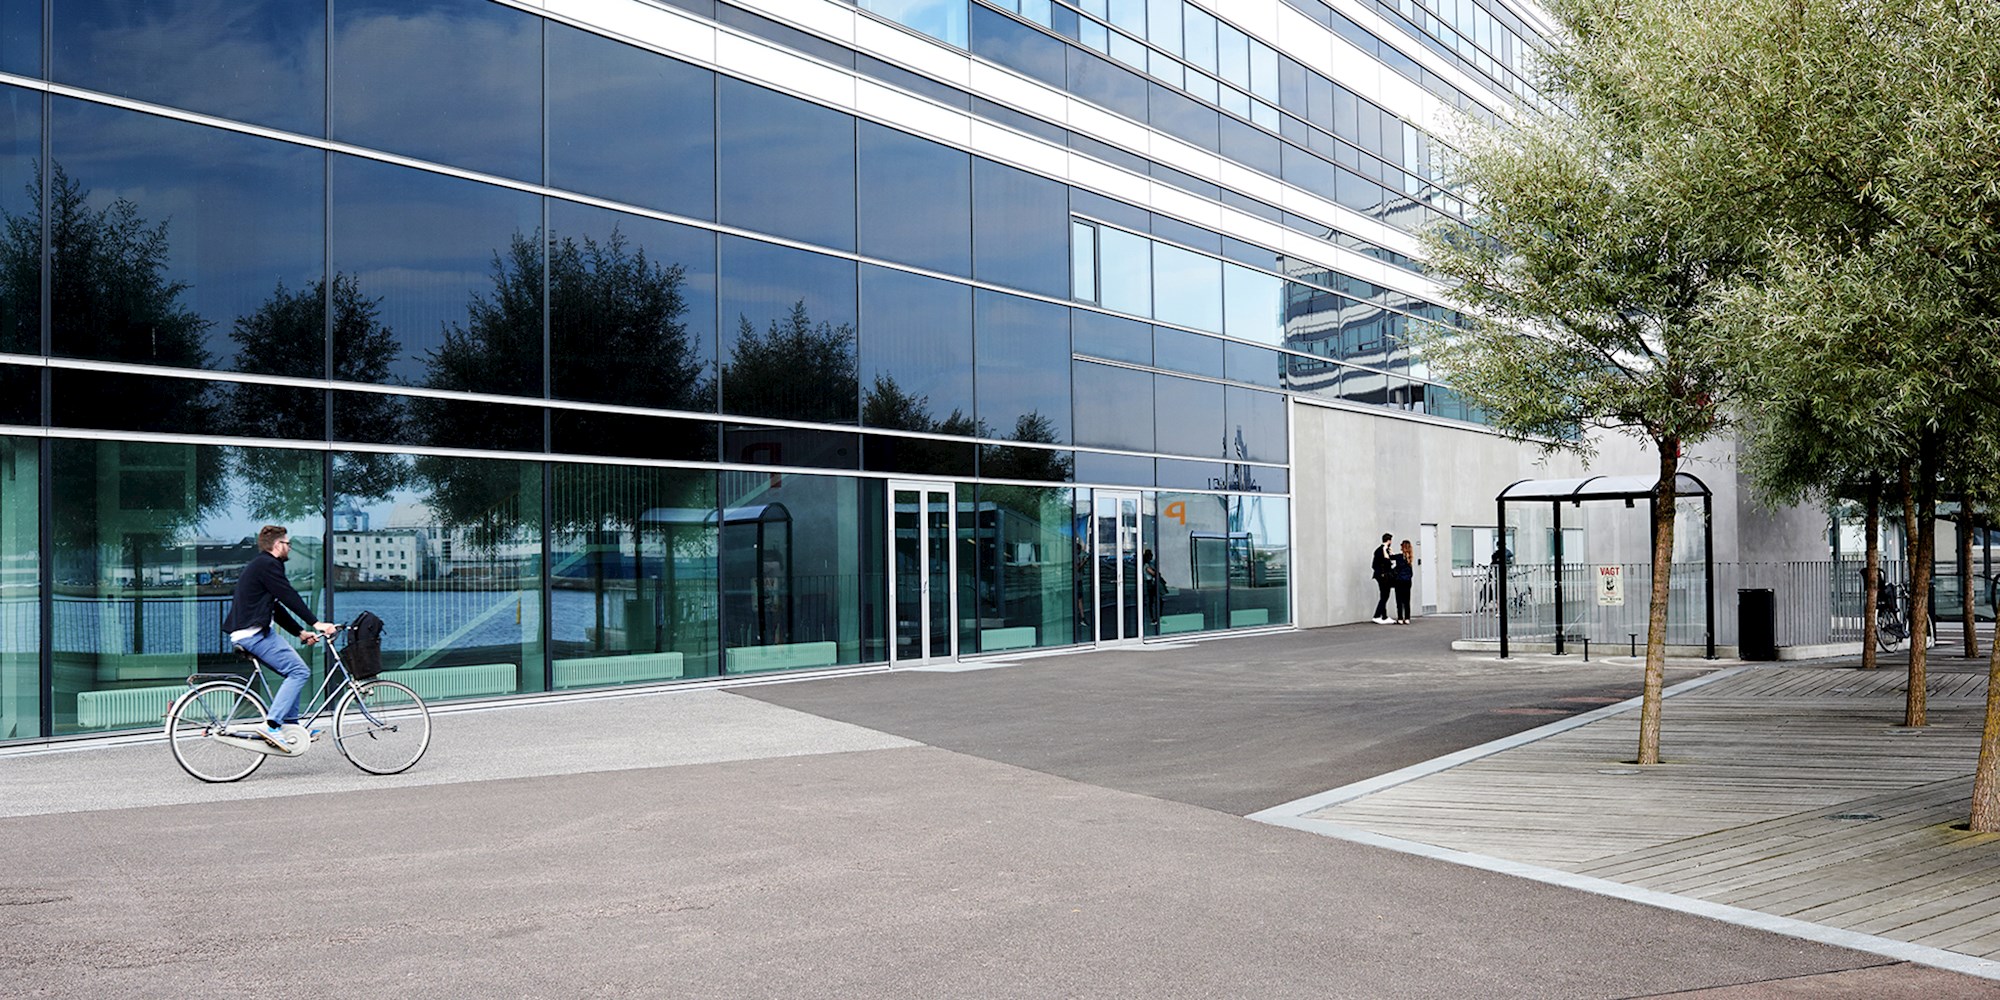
[
  {"x": 1891, "y": 630},
  {"x": 380, "y": 726}
]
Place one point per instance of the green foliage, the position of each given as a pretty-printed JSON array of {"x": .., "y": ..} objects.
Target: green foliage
[{"x": 794, "y": 368}]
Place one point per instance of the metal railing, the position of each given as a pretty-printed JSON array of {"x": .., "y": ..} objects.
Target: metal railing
[{"x": 1816, "y": 602}]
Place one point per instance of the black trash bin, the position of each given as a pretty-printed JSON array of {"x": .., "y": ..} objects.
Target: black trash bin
[{"x": 1756, "y": 625}]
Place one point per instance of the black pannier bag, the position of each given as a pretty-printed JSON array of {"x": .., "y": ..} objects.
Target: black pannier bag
[{"x": 363, "y": 650}]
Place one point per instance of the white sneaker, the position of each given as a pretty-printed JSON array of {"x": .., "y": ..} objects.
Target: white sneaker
[{"x": 1382, "y": 621}]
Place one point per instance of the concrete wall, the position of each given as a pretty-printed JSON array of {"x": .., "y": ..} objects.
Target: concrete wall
[{"x": 1357, "y": 474}]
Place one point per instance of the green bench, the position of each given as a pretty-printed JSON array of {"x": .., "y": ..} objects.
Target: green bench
[{"x": 993, "y": 640}]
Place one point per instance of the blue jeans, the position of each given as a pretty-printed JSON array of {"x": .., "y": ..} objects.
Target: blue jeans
[{"x": 277, "y": 653}]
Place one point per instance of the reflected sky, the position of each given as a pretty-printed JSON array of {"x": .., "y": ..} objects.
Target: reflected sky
[
  {"x": 241, "y": 217},
  {"x": 456, "y": 81},
  {"x": 261, "y": 61}
]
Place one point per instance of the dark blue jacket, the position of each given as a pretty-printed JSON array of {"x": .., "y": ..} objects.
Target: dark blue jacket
[{"x": 261, "y": 592}]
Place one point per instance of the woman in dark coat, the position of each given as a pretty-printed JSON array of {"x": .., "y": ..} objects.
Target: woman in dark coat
[{"x": 1403, "y": 569}]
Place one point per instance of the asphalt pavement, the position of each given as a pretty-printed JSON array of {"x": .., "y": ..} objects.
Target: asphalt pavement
[{"x": 1062, "y": 826}]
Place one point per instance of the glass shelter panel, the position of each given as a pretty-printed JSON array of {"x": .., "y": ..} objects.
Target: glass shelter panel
[{"x": 20, "y": 588}]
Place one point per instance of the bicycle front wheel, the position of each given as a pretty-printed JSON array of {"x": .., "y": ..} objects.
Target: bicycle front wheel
[
  {"x": 381, "y": 727},
  {"x": 199, "y": 720},
  {"x": 1889, "y": 634}
]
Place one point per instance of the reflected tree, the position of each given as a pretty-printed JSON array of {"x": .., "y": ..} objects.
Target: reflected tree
[
  {"x": 795, "y": 369},
  {"x": 109, "y": 287},
  {"x": 632, "y": 311},
  {"x": 285, "y": 333},
  {"x": 1000, "y": 462}
]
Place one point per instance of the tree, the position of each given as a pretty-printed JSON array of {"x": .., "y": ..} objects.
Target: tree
[
  {"x": 1593, "y": 296},
  {"x": 283, "y": 336},
  {"x": 795, "y": 369}
]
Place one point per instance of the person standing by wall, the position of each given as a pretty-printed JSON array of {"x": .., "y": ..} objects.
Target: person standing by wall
[
  {"x": 1402, "y": 571},
  {"x": 1384, "y": 582}
]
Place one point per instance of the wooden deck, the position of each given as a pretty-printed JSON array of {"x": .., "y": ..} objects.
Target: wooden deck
[{"x": 1789, "y": 790}]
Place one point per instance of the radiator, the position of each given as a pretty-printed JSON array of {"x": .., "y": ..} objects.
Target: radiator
[
  {"x": 470, "y": 681},
  {"x": 125, "y": 707}
]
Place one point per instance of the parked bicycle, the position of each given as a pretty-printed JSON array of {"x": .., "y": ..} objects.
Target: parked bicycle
[
  {"x": 215, "y": 729},
  {"x": 1520, "y": 593},
  {"x": 1891, "y": 628}
]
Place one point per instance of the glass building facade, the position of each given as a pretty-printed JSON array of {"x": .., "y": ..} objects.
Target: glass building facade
[{"x": 585, "y": 355}]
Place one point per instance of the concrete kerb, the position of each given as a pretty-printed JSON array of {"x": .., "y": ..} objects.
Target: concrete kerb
[{"x": 1293, "y": 815}]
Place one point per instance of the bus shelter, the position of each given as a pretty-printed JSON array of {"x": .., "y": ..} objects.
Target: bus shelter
[{"x": 1630, "y": 489}]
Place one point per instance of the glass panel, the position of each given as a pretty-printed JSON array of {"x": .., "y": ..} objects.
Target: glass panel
[
  {"x": 182, "y": 245},
  {"x": 1105, "y": 536},
  {"x": 788, "y": 347},
  {"x": 915, "y": 201},
  {"x": 1116, "y": 470},
  {"x": 1113, "y": 407},
  {"x": 1180, "y": 116},
  {"x": 264, "y": 62},
  {"x": 629, "y": 435},
  {"x": 906, "y": 522},
  {"x": 1108, "y": 85},
  {"x": 1083, "y": 261},
  {"x": 149, "y": 539},
  {"x": 1189, "y": 288},
  {"x": 455, "y": 81},
  {"x": 1193, "y": 353},
  {"x": 656, "y": 113},
  {"x": 1129, "y": 569},
  {"x": 21, "y": 395},
  {"x": 785, "y": 166},
  {"x": 20, "y": 589},
  {"x": 21, "y": 37},
  {"x": 163, "y": 405},
  {"x": 1189, "y": 416},
  {"x": 632, "y": 577},
  {"x": 1257, "y": 426},
  {"x": 1125, "y": 272},
  {"x": 794, "y": 446},
  {"x": 937, "y": 550},
  {"x": 1256, "y": 365},
  {"x": 1021, "y": 350},
  {"x": 1163, "y": 24},
  {"x": 432, "y": 422},
  {"x": 916, "y": 353},
  {"x": 1119, "y": 339},
  {"x": 20, "y": 215},
  {"x": 1263, "y": 71},
  {"x": 943, "y": 20},
  {"x": 1024, "y": 563},
  {"x": 1020, "y": 229},
  {"x": 631, "y": 309},
  {"x": 800, "y": 585},
  {"x": 1194, "y": 546},
  {"x": 1200, "y": 31},
  {"x": 448, "y": 274},
  {"x": 448, "y": 551},
  {"x": 1253, "y": 304},
  {"x": 1260, "y": 567},
  {"x": 1018, "y": 47}
]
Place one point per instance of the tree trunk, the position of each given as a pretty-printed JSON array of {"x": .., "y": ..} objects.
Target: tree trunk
[
  {"x": 1871, "y": 577},
  {"x": 1664, "y": 508},
  {"x": 1920, "y": 586},
  {"x": 1965, "y": 577},
  {"x": 1986, "y": 779}
]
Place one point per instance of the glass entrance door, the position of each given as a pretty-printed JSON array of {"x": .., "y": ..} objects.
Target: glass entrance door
[
  {"x": 921, "y": 572},
  {"x": 1115, "y": 535}
]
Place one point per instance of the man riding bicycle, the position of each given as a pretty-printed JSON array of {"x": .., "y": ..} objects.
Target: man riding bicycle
[{"x": 263, "y": 596}]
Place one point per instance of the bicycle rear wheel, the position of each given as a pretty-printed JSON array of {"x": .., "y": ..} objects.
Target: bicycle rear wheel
[
  {"x": 381, "y": 727},
  {"x": 1890, "y": 633},
  {"x": 205, "y": 713}
]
